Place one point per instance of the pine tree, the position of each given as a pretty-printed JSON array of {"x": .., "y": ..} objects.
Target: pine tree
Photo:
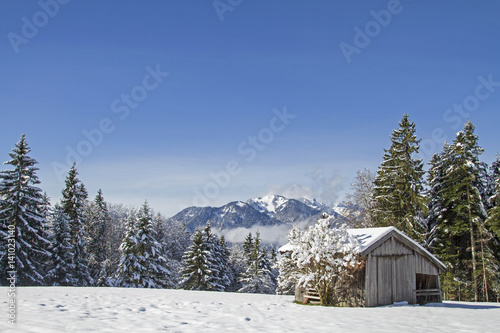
[
  {"x": 493, "y": 225},
  {"x": 494, "y": 199},
  {"x": 73, "y": 204},
  {"x": 23, "y": 219},
  {"x": 62, "y": 267},
  {"x": 142, "y": 264},
  {"x": 196, "y": 273},
  {"x": 237, "y": 263},
  {"x": 98, "y": 225},
  {"x": 398, "y": 191},
  {"x": 435, "y": 226},
  {"x": 258, "y": 276},
  {"x": 463, "y": 241},
  {"x": 206, "y": 263},
  {"x": 287, "y": 267},
  {"x": 248, "y": 245},
  {"x": 126, "y": 272}
]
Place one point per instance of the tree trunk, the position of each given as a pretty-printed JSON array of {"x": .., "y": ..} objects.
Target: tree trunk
[{"x": 473, "y": 250}]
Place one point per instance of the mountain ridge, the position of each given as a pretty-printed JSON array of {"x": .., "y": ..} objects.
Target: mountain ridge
[{"x": 269, "y": 210}]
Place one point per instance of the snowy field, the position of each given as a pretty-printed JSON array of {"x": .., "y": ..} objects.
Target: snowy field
[{"x": 68, "y": 309}]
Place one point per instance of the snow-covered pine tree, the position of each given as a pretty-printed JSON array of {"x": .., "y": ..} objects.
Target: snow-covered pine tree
[
  {"x": 237, "y": 262},
  {"x": 493, "y": 222},
  {"x": 176, "y": 240},
  {"x": 217, "y": 262},
  {"x": 398, "y": 191},
  {"x": 143, "y": 262},
  {"x": 463, "y": 215},
  {"x": 222, "y": 253},
  {"x": 119, "y": 217},
  {"x": 62, "y": 267},
  {"x": 287, "y": 267},
  {"x": 196, "y": 273},
  {"x": 493, "y": 226},
  {"x": 435, "y": 224},
  {"x": 98, "y": 224},
  {"x": 259, "y": 276},
  {"x": 22, "y": 216},
  {"x": 326, "y": 256},
  {"x": 126, "y": 272},
  {"x": 74, "y": 197},
  {"x": 248, "y": 245}
]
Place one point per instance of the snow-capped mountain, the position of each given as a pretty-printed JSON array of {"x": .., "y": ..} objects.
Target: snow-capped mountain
[{"x": 265, "y": 211}]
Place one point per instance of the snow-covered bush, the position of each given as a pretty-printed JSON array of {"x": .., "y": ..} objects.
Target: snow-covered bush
[{"x": 323, "y": 257}]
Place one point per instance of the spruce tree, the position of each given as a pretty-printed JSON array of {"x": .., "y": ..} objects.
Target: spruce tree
[
  {"x": 258, "y": 276},
  {"x": 217, "y": 260},
  {"x": 73, "y": 200},
  {"x": 98, "y": 224},
  {"x": 494, "y": 200},
  {"x": 439, "y": 164},
  {"x": 62, "y": 266},
  {"x": 143, "y": 264},
  {"x": 398, "y": 191},
  {"x": 23, "y": 219},
  {"x": 196, "y": 273},
  {"x": 126, "y": 272},
  {"x": 237, "y": 263},
  {"x": 205, "y": 262},
  {"x": 463, "y": 239}
]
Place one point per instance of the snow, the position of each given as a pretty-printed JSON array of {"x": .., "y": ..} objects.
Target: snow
[
  {"x": 73, "y": 309},
  {"x": 368, "y": 236}
]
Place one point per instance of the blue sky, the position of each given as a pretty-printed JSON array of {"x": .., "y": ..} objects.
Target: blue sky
[{"x": 260, "y": 97}]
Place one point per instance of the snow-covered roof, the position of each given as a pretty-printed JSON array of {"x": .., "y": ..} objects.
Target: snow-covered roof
[{"x": 368, "y": 236}]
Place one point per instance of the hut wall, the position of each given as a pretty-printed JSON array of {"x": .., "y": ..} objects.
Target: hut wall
[{"x": 390, "y": 274}]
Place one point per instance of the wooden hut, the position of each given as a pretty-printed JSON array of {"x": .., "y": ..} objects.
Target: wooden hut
[{"x": 396, "y": 269}]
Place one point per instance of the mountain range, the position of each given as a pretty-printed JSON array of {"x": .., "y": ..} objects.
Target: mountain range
[{"x": 270, "y": 210}]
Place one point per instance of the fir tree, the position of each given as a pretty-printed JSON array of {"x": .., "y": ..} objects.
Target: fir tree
[
  {"x": 62, "y": 267},
  {"x": 439, "y": 165},
  {"x": 73, "y": 204},
  {"x": 248, "y": 245},
  {"x": 259, "y": 275},
  {"x": 143, "y": 265},
  {"x": 463, "y": 241},
  {"x": 98, "y": 224},
  {"x": 494, "y": 199},
  {"x": 126, "y": 272},
  {"x": 287, "y": 267},
  {"x": 23, "y": 219},
  {"x": 398, "y": 191},
  {"x": 196, "y": 273},
  {"x": 205, "y": 262},
  {"x": 237, "y": 263}
]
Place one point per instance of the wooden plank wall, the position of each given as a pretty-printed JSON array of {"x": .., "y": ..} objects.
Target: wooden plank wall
[{"x": 391, "y": 273}]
